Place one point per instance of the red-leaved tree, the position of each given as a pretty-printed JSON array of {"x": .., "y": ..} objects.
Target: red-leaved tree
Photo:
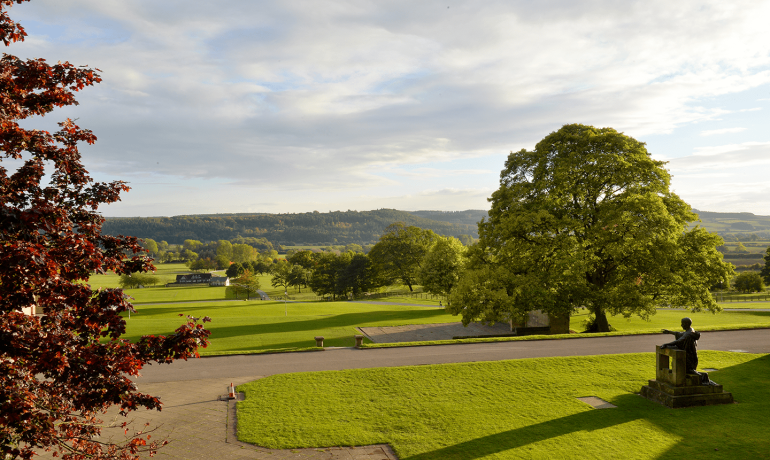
[{"x": 61, "y": 369}]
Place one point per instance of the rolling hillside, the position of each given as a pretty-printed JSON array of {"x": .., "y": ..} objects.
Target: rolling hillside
[{"x": 311, "y": 228}]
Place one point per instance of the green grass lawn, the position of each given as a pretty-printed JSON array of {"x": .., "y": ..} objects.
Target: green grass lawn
[
  {"x": 670, "y": 319},
  {"x": 165, "y": 272},
  {"x": 412, "y": 300},
  {"x": 160, "y": 294},
  {"x": 242, "y": 327},
  {"x": 753, "y": 305},
  {"x": 253, "y": 326},
  {"x": 512, "y": 409}
]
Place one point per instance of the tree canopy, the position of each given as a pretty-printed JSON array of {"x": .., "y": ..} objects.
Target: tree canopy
[
  {"x": 587, "y": 219},
  {"x": 749, "y": 282},
  {"x": 245, "y": 285},
  {"x": 442, "y": 266},
  {"x": 62, "y": 368},
  {"x": 765, "y": 273},
  {"x": 400, "y": 251}
]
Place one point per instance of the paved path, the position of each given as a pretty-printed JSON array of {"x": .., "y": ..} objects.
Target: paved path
[{"x": 753, "y": 341}]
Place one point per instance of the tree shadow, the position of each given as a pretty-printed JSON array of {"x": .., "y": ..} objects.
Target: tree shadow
[
  {"x": 733, "y": 427},
  {"x": 739, "y": 428},
  {"x": 590, "y": 420},
  {"x": 318, "y": 323}
]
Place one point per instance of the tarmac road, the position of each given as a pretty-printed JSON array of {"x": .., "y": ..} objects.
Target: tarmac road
[{"x": 239, "y": 366}]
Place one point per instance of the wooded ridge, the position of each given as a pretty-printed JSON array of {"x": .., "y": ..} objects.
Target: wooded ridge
[
  {"x": 310, "y": 228},
  {"x": 360, "y": 227}
]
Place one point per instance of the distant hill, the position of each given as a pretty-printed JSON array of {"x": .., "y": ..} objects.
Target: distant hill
[
  {"x": 735, "y": 224},
  {"x": 310, "y": 228},
  {"x": 361, "y": 227},
  {"x": 469, "y": 217}
]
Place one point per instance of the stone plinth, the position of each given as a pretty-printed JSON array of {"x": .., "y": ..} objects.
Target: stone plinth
[{"x": 674, "y": 388}]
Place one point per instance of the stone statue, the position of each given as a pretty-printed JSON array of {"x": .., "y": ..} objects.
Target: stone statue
[{"x": 688, "y": 341}]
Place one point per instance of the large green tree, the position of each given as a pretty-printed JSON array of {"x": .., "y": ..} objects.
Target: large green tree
[
  {"x": 749, "y": 282},
  {"x": 281, "y": 275},
  {"x": 325, "y": 278},
  {"x": 150, "y": 245},
  {"x": 245, "y": 285},
  {"x": 244, "y": 253},
  {"x": 302, "y": 258},
  {"x": 765, "y": 273},
  {"x": 587, "y": 219},
  {"x": 441, "y": 268},
  {"x": 357, "y": 276},
  {"x": 400, "y": 252}
]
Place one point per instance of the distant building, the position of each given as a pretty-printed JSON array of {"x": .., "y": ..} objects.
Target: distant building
[
  {"x": 219, "y": 281},
  {"x": 194, "y": 278}
]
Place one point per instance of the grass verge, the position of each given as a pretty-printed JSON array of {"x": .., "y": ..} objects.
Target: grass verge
[{"x": 511, "y": 409}]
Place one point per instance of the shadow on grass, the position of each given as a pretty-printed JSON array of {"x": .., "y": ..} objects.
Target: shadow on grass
[
  {"x": 739, "y": 428},
  {"x": 489, "y": 445},
  {"x": 313, "y": 326},
  {"x": 185, "y": 307},
  {"x": 321, "y": 323}
]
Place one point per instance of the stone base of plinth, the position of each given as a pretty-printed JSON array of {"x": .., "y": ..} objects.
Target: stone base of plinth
[{"x": 692, "y": 393}]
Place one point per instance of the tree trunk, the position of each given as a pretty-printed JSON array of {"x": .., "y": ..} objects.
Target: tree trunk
[{"x": 600, "y": 322}]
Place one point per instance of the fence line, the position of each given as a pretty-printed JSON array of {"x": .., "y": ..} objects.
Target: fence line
[{"x": 741, "y": 297}]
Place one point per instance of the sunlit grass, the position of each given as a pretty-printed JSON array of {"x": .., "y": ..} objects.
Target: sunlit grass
[
  {"x": 670, "y": 319},
  {"x": 511, "y": 409},
  {"x": 255, "y": 326},
  {"x": 241, "y": 326}
]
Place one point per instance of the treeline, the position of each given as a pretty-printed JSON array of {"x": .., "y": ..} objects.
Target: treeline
[
  {"x": 404, "y": 254},
  {"x": 311, "y": 228},
  {"x": 467, "y": 217}
]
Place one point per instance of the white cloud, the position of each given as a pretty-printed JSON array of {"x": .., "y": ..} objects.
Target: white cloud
[
  {"x": 436, "y": 172},
  {"x": 323, "y": 96},
  {"x": 713, "y": 132},
  {"x": 729, "y": 178}
]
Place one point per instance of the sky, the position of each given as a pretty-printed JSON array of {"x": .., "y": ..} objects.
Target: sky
[{"x": 296, "y": 106}]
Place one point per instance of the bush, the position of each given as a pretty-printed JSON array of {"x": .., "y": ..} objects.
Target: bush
[{"x": 749, "y": 282}]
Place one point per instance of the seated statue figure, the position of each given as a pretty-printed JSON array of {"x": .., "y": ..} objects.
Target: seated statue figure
[{"x": 688, "y": 341}]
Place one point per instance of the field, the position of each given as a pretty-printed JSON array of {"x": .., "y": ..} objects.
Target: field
[
  {"x": 511, "y": 409},
  {"x": 669, "y": 319},
  {"x": 256, "y": 326},
  {"x": 242, "y": 327}
]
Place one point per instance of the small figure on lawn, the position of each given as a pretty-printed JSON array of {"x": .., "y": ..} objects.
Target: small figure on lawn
[{"x": 688, "y": 341}]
